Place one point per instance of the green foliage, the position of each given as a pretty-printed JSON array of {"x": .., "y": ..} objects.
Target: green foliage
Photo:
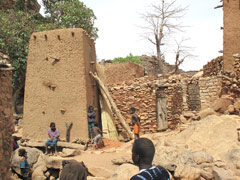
[
  {"x": 129, "y": 58},
  {"x": 71, "y": 13},
  {"x": 16, "y": 29}
]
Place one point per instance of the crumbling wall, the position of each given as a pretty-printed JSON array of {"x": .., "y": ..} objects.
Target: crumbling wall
[
  {"x": 112, "y": 73},
  {"x": 141, "y": 94},
  {"x": 214, "y": 67},
  {"x": 231, "y": 43},
  {"x": 58, "y": 85},
  {"x": 6, "y": 122}
]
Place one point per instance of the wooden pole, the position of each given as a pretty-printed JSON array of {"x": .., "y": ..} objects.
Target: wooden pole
[{"x": 113, "y": 105}]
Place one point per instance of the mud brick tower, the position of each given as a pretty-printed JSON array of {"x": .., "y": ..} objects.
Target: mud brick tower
[
  {"x": 58, "y": 85},
  {"x": 231, "y": 43}
]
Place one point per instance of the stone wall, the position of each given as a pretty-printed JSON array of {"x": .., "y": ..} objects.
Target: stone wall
[
  {"x": 6, "y": 122},
  {"x": 231, "y": 43},
  {"x": 58, "y": 85},
  {"x": 210, "y": 90},
  {"x": 141, "y": 93},
  {"x": 214, "y": 67}
]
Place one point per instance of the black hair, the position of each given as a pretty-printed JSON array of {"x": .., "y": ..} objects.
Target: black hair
[
  {"x": 15, "y": 138},
  {"x": 95, "y": 124},
  {"x": 22, "y": 152},
  {"x": 52, "y": 123},
  {"x": 90, "y": 107},
  {"x": 145, "y": 149},
  {"x": 132, "y": 109}
]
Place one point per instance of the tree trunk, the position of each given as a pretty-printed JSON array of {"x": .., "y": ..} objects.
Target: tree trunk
[
  {"x": 15, "y": 96},
  {"x": 114, "y": 107}
]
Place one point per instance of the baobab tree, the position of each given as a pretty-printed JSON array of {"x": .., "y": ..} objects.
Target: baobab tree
[{"x": 162, "y": 20}]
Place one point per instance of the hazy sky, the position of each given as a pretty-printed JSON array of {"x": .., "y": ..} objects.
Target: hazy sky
[{"x": 118, "y": 22}]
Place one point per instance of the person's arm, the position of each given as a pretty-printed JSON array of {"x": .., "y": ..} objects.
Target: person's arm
[
  {"x": 99, "y": 130},
  {"x": 58, "y": 134}
]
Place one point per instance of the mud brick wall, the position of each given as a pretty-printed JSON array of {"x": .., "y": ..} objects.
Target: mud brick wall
[
  {"x": 112, "y": 73},
  {"x": 231, "y": 35},
  {"x": 6, "y": 122},
  {"x": 58, "y": 85},
  {"x": 213, "y": 67},
  {"x": 210, "y": 90},
  {"x": 141, "y": 94}
]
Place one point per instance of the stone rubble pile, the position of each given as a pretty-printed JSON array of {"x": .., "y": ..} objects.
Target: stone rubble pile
[{"x": 214, "y": 67}]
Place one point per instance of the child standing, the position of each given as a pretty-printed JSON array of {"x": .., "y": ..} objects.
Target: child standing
[
  {"x": 135, "y": 122},
  {"x": 91, "y": 120},
  {"x": 24, "y": 166}
]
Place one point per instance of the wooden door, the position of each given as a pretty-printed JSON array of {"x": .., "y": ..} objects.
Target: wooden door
[{"x": 162, "y": 122}]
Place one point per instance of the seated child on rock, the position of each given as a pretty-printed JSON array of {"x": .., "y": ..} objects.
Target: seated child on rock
[
  {"x": 24, "y": 166},
  {"x": 53, "y": 134},
  {"x": 97, "y": 133}
]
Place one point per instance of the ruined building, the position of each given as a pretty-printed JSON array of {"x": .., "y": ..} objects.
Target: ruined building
[
  {"x": 6, "y": 117},
  {"x": 58, "y": 85}
]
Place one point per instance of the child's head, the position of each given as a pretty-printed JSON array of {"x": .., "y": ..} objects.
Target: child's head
[
  {"x": 22, "y": 152},
  {"x": 96, "y": 124},
  {"x": 52, "y": 126},
  {"x": 15, "y": 138},
  {"x": 90, "y": 108},
  {"x": 132, "y": 110}
]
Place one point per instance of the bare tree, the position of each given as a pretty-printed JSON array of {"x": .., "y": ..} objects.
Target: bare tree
[
  {"x": 182, "y": 53},
  {"x": 162, "y": 20}
]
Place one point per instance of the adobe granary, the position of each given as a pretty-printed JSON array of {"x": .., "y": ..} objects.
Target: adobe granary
[
  {"x": 6, "y": 116},
  {"x": 231, "y": 44},
  {"x": 58, "y": 85}
]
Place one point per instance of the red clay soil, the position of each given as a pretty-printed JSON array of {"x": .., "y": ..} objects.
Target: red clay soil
[{"x": 111, "y": 144}]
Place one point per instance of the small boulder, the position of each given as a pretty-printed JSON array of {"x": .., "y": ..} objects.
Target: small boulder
[
  {"x": 221, "y": 104},
  {"x": 187, "y": 172},
  {"x": 231, "y": 109},
  {"x": 125, "y": 171},
  {"x": 99, "y": 171},
  {"x": 70, "y": 152},
  {"x": 206, "y": 112},
  {"x": 202, "y": 157},
  {"x": 222, "y": 174}
]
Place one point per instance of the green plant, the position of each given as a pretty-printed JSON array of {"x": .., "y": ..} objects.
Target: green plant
[{"x": 129, "y": 58}]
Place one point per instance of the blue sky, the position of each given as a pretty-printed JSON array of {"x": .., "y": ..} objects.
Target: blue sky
[{"x": 119, "y": 34}]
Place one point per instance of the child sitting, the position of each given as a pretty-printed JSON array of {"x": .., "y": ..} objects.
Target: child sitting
[
  {"x": 97, "y": 136},
  {"x": 53, "y": 134},
  {"x": 24, "y": 166}
]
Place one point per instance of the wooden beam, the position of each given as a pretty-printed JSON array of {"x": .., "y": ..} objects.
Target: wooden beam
[
  {"x": 113, "y": 105},
  {"x": 220, "y": 6}
]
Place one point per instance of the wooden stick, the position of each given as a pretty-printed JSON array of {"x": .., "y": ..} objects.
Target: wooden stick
[{"x": 113, "y": 105}]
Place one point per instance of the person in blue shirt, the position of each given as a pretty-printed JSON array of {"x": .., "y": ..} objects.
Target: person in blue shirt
[
  {"x": 24, "y": 166},
  {"x": 91, "y": 120},
  {"x": 142, "y": 155}
]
